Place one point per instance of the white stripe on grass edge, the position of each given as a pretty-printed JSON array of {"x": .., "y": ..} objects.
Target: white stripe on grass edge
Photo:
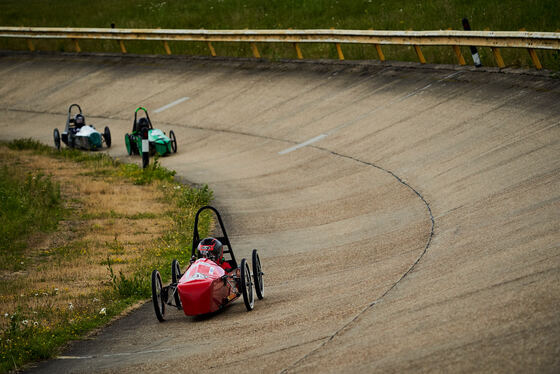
[{"x": 171, "y": 104}]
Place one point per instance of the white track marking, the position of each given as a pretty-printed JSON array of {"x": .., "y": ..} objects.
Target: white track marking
[
  {"x": 113, "y": 354},
  {"x": 300, "y": 145},
  {"x": 73, "y": 357},
  {"x": 349, "y": 123},
  {"x": 171, "y": 104}
]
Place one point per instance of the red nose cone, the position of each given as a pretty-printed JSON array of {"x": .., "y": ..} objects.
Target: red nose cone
[
  {"x": 196, "y": 296},
  {"x": 201, "y": 290}
]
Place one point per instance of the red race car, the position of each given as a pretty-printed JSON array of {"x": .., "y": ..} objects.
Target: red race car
[{"x": 210, "y": 282}]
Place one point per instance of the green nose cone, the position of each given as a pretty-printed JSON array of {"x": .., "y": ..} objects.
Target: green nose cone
[{"x": 95, "y": 140}]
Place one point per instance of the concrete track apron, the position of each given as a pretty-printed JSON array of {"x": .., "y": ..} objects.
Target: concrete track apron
[{"x": 407, "y": 218}]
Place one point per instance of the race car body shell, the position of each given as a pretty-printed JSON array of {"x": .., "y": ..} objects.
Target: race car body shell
[
  {"x": 87, "y": 137},
  {"x": 202, "y": 289},
  {"x": 158, "y": 141}
]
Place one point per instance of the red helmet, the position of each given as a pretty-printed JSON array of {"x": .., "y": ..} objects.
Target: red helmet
[{"x": 211, "y": 248}]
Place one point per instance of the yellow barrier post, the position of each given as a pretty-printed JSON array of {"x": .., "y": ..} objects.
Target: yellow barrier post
[
  {"x": 123, "y": 49},
  {"x": 296, "y": 47},
  {"x": 533, "y": 54},
  {"x": 339, "y": 51},
  {"x": 498, "y": 57},
  {"x": 298, "y": 51},
  {"x": 77, "y": 46},
  {"x": 166, "y": 46},
  {"x": 419, "y": 54},
  {"x": 379, "y": 51},
  {"x": 535, "y": 58},
  {"x": 459, "y": 55},
  {"x": 121, "y": 43},
  {"x": 30, "y": 45},
  {"x": 211, "y": 48},
  {"x": 256, "y": 53},
  {"x": 497, "y": 54}
]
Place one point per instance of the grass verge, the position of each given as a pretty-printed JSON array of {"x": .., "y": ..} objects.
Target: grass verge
[
  {"x": 532, "y": 15},
  {"x": 103, "y": 227},
  {"x": 29, "y": 203}
]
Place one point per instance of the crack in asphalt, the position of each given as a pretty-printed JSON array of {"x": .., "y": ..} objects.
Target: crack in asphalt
[
  {"x": 379, "y": 299},
  {"x": 274, "y": 351}
]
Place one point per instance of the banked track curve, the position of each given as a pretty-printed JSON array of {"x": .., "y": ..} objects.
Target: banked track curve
[
  {"x": 429, "y": 136},
  {"x": 398, "y": 178}
]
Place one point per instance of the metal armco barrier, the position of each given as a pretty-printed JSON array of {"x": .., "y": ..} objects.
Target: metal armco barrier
[{"x": 453, "y": 38}]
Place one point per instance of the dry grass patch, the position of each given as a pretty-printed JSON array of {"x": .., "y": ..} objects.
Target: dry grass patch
[
  {"x": 96, "y": 263},
  {"x": 104, "y": 221}
]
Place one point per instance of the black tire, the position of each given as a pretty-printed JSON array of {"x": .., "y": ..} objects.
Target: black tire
[
  {"x": 107, "y": 136},
  {"x": 257, "y": 275},
  {"x": 157, "y": 296},
  {"x": 173, "y": 141},
  {"x": 56, "y": 136},
  {"x": 247, "y": 286},
  {"x": 175, "y": 276}
]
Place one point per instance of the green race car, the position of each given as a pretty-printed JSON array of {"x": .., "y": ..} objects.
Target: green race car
[{"x": 159, "y": 142}]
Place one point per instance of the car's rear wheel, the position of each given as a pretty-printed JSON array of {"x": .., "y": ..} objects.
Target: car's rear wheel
[
  {"x": 175, "y": 276},
  {"x": 56, "y": 136},
  {"x": 107, "y": 136},
  {"x": 247, "y": 286},
  {"x": 257, "y": 275},
  {"x": 158, "y": 296},
  {"x": 127, "y": 142},
  {"x": 173, "y": 141}
]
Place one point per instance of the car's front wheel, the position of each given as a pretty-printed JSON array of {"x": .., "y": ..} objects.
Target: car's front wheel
[
  {"x": 56, "y": 136},
  {"x": 158, "y": 297},
  {"x": 173, "y": 141},
  {"x": 107, "y": 136},
  {"x": 258, "y": 275},
  {"x": 247, "y": 286}
]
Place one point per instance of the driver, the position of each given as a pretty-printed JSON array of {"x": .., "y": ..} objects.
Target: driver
[
  {"x": 79, "y": 121},
  {"x": 143, "y": 123},
  {"x": 213, "y": 249}
]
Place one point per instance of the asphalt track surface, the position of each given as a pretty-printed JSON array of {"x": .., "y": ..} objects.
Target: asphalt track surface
[{"x": 407, "y": 217}]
